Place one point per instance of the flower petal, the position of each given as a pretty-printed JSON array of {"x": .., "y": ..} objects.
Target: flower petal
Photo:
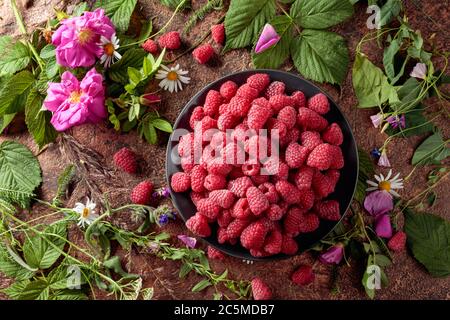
[
  {"x": 378, "y": 202},
  {"x": 268, "y": 38}
]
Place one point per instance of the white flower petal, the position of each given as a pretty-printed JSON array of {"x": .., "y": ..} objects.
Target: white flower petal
[{"x": 371, "y": 183}]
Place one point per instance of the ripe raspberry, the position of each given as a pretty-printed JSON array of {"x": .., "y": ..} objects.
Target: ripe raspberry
[
  {"x": 226, "y": 121},
  {"x": 296, "y": 155},
  {"x": 269, "y": 191},
  {"x": 180, "y": 182},
  {"x": 333, "y": 135},
  {"x": 333, "y": 175},
  {"x": 311, "y": 120},
  {"x": 197, "y": 115},
  {"x": 288, "y": 116},
  {"x": 203, "y": 53},
  {"x": 303, "y": 178},
  {"x": 303, "y": 275},
  {"x": 186, "y": 145},
  {"x": 257, "y": 201},
  {"x": 218, "y": 33},
  {"x": 292, "y": 135},
  {"x": 299, "y": 99},
  {"x": 253, "y": 235},
  {"x": 275, "y": 88},
  {"x": 259, "y": 253},
  {"x": 279, "y": 101},
  {"x": 261, "y": 290},
  {"x": 397, "y": 242},
  {"x": 259, "y": 81},
  {"x": 223, "y": 108},
  {"x": 328, "y": 210},
  {"x": 275, "y": 124},
  {"x": 187, "y": 163},
  {"x": 170, "y": 40},
  {"x": 263, "y": 102},
  {"x": 241, "y": 210},
  {"x": 337, "y": 158},
  {"x": 274, "y": 212},
  {"x": 208, "y": 123},
  {"x": 321, "y": 157},
  {"x": 288, "y": 191},
  {"x": 309, "y": 223},
  {"x": 198, "y": 225},
  {"x": 224, "y": 218},
  {"x": 215, "y": 182},
  {"x": 289, "y": 245},
  {"x": 223, "y": 198},
  {"x": 240, "y": 185},
  {"x": 273, "y": 242},
  {"x": 125, "y": 159},
  {"x": 219, "y": 167},
  {"x": 236, "y": 226},
  {"x": 228, "y": 90},
  {"x": 196, "y": 196},
  {"x": 322, "y": 185},
  {"x": 150, "y": 46},
  {"x": 218, "y": 140},
  {"x": 292, "y": 221},
  {"x": 212, "y": 102},
  {"x": 208, "y": 208},
  {"x": 319, "y": 103},
  {"x": 238, "y": 106},
  {"x": 248, "y": 92},
  {"x": 198, "y": 175},
  {"x": 307, "y": 198},
  {"x": 214, "y": 253},
  {"x": 233, "y": 153},
  {"x": 142, "y": 193},
  {"x": 257, "y": 116},
  {"x": 310, "y": 139},
  {"x": 236, "y": 173},
  {"x": 222, "y": 235},
  {"x": 257, "y": 147},
  {"x": 251, "y": 169},
  {"x": 259, "y": 179}
]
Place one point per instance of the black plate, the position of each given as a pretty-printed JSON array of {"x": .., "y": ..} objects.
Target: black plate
[{"x": 344, "y": 189}]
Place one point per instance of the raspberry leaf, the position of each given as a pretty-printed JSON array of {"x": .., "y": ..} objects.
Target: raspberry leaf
[
  {"x": 320, "y": 55},
  {"x": 273, "y": 57},
  {"x": 15, "y": 56},
  {"x": 131, "y": 58},
  {"x": 119, "y": 11},
  {"x": 14, "y": 91},
  {"x": 320, "y": 14},
  {"x": 244, "y": 20},
  {"x": 432, "y": 151}
]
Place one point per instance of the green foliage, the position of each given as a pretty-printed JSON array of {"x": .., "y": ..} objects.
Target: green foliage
[
  {"x": 173, "y": 4},
  {"x": 13, "y": 93},
  {"x": 15, "y": 56},
  {"x": 366, "y": 171},
  {"x": 119, "y": 70},
  {"x": 20, "y": 173},
  {"x": 320, "y": 14},
  {"x": 12, "y": 265},
  {"x": 64, "y": 179},
  {"x": 431, "y": 151},
  {"x": 119, "y": 11},
  {"x": 201, "y": 12}
]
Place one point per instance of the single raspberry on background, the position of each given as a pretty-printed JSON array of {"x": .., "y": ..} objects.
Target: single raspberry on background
[
  {"x": 252, "y": 237},
  {"x": 303, "y": 178},
  {"x": 289, "y": 245},
  {"x": 208, "y": 208},
  {"x": 275, "y": 88},
  {"x": 397, "y": 242},
  {"x": 197, "y": 115},
  {"x": 150, "y": 46},
  {"x": 319, "y": 103},
  {"x": 228, "y": 89},
  {"x": 198, "y": 225},
  {"x": 322, "y": 185},
  {"x": 238, "y": 106},
  {"x": 257, "y": 116},
  {"x": 203, "y": 53},
  {"x": 257, "y": 201},
  {"x": 142, "y": 193},
  {"x": 303, "y": 275},
  {"x": 288, "y": 191},
  {"x": 260, "y": 290},
  {"x": 198, "y": 175},
  {"x": 224, "y": 198},
  {"x": 236, "y": 226},
  {"x": 212, "y": 102},
  {"x": 218, "y": 33},
  {"x": 299, "y": 99},
  {"x": 321, "y": 157},
  {"x": 273, "y": 242},
  {"x": 328, "y": 210},
  {"x": 270, "y": 192},
  {"x": 240, "y": 185},
  {"x": 288, "y": 115},
  {"x": 170, "y": 40},
  {"x": 310, "y": 139},
  {"x": 311, "y": 120},
  {"x": 214, "y": 253},
  {"x": 225, "y": 218},
  {"x": 215, "y": 182},
  {"x": 309, "y": 222},
  {"x": 246, "y": 91},
  {"x": 241, "y": 210},
  {"x": 333, "y": 135},
  {"x": 296, "y": 155},
  {"x": 125, "y": 159},
  {"x": 259, "y": 81},
  {"x": 180, "y": 182}
]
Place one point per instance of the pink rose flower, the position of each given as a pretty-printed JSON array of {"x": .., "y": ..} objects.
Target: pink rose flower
[
  {"x": 269, "y": 37},
  {"x": 77, "y": 39},
  {"x": 378, "y": 202},
  {"x": 74, "y": 103}
]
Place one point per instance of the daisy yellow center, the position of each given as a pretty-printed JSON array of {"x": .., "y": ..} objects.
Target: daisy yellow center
[
  {"x": 75, "y": 96},
  {"x": 108, "y": 49},
  {"x": 172, "y": 76},
  {"x": 85, "y": 213},
  {"x": 85, "y": 36},
  {"x": 385, "y": 185}
]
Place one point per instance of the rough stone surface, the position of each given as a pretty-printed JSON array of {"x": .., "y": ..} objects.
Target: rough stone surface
[{"x": 408, "y": 279}]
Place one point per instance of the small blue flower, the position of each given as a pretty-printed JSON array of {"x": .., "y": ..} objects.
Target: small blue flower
[
  {"x": 375, "y": 153},
  {"x": 163, "y": 219}
]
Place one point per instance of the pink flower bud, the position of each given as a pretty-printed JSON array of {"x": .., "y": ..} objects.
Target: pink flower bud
[
  {"x": 148, "y": 99},
  {"x": 268, "y": 38},
  {"x": 333, "y": 255},
  {"x": 383, "y": 226}
]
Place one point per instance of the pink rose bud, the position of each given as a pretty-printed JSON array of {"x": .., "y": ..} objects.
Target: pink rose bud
[
  {"x": 333, "y": 255},
  {"x": 378, "y": 202},
  {"x": 148, "y": 99},
  {"x": 383, "y": 226},
  {"x": 268, "y": 38}
]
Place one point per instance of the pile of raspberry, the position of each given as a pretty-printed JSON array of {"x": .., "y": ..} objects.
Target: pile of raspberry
[{"x": 263, "y": 212}]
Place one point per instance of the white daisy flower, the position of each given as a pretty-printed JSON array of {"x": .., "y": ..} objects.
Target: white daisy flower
[
  {"x": 86, "y": 212},
  {"x": 110, "y": 54},
  {"x": 387, "y": 183},
  {"x": 172, "y": 78}
]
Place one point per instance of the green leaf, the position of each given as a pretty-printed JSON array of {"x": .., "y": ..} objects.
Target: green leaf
[
  {"x": 365, "y": 280},
  {"x": 366, "y": 171},
  {"x": 408, "y": 94},
  {"x": 429, "y": 240},
  {"x": 388, "y": 58},
  {"x": 320, "y": 55},
  {"x": 80, "y": 9},
  {"x": 320, "y": 14},
  {"x": 146, "y": 30},
  {"x": 10, "y": 267},
  {"x": 150, "y": 134},
  {"x": 39, "y": 250},
  {"x": 35, "y": 290},
  {"x": 114, "y": 264},
  {"x": 15, "y": 56},
  {"x": 15, "y": 290},
  {"x": 382, "y": 260},
  {"x": 431, "y": 199},
  {"x": 175, "y": 3},
  {"x": 48, "y": 52},
  {"x": 64, "y": 179},
  {"x": 431, "y": 151},
  {"x": 13, "y": 89},
  {"x": 244, "y": 20},
  {"x": 274, "y": 57},
  {"x": 5, "y": 120},
  {"x": 68, "y": 295},
  {"x": 51, "y": 68},
  {"x": 38, "y": 121},
  {"x": 162, "y": 125},
  {"x": 184, "y": 270},
  {"x": 131, "y": 58},
  {"x": 20, "y": 173},
  {"x": 134, "y": 75},
  {"x": 119, "y": 11},
  {"x": 390, "y": 10},
  {"x": 203, "y": 284}
]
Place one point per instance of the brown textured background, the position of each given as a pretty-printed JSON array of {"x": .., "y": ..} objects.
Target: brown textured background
[{"x": 408, "y": 279}]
